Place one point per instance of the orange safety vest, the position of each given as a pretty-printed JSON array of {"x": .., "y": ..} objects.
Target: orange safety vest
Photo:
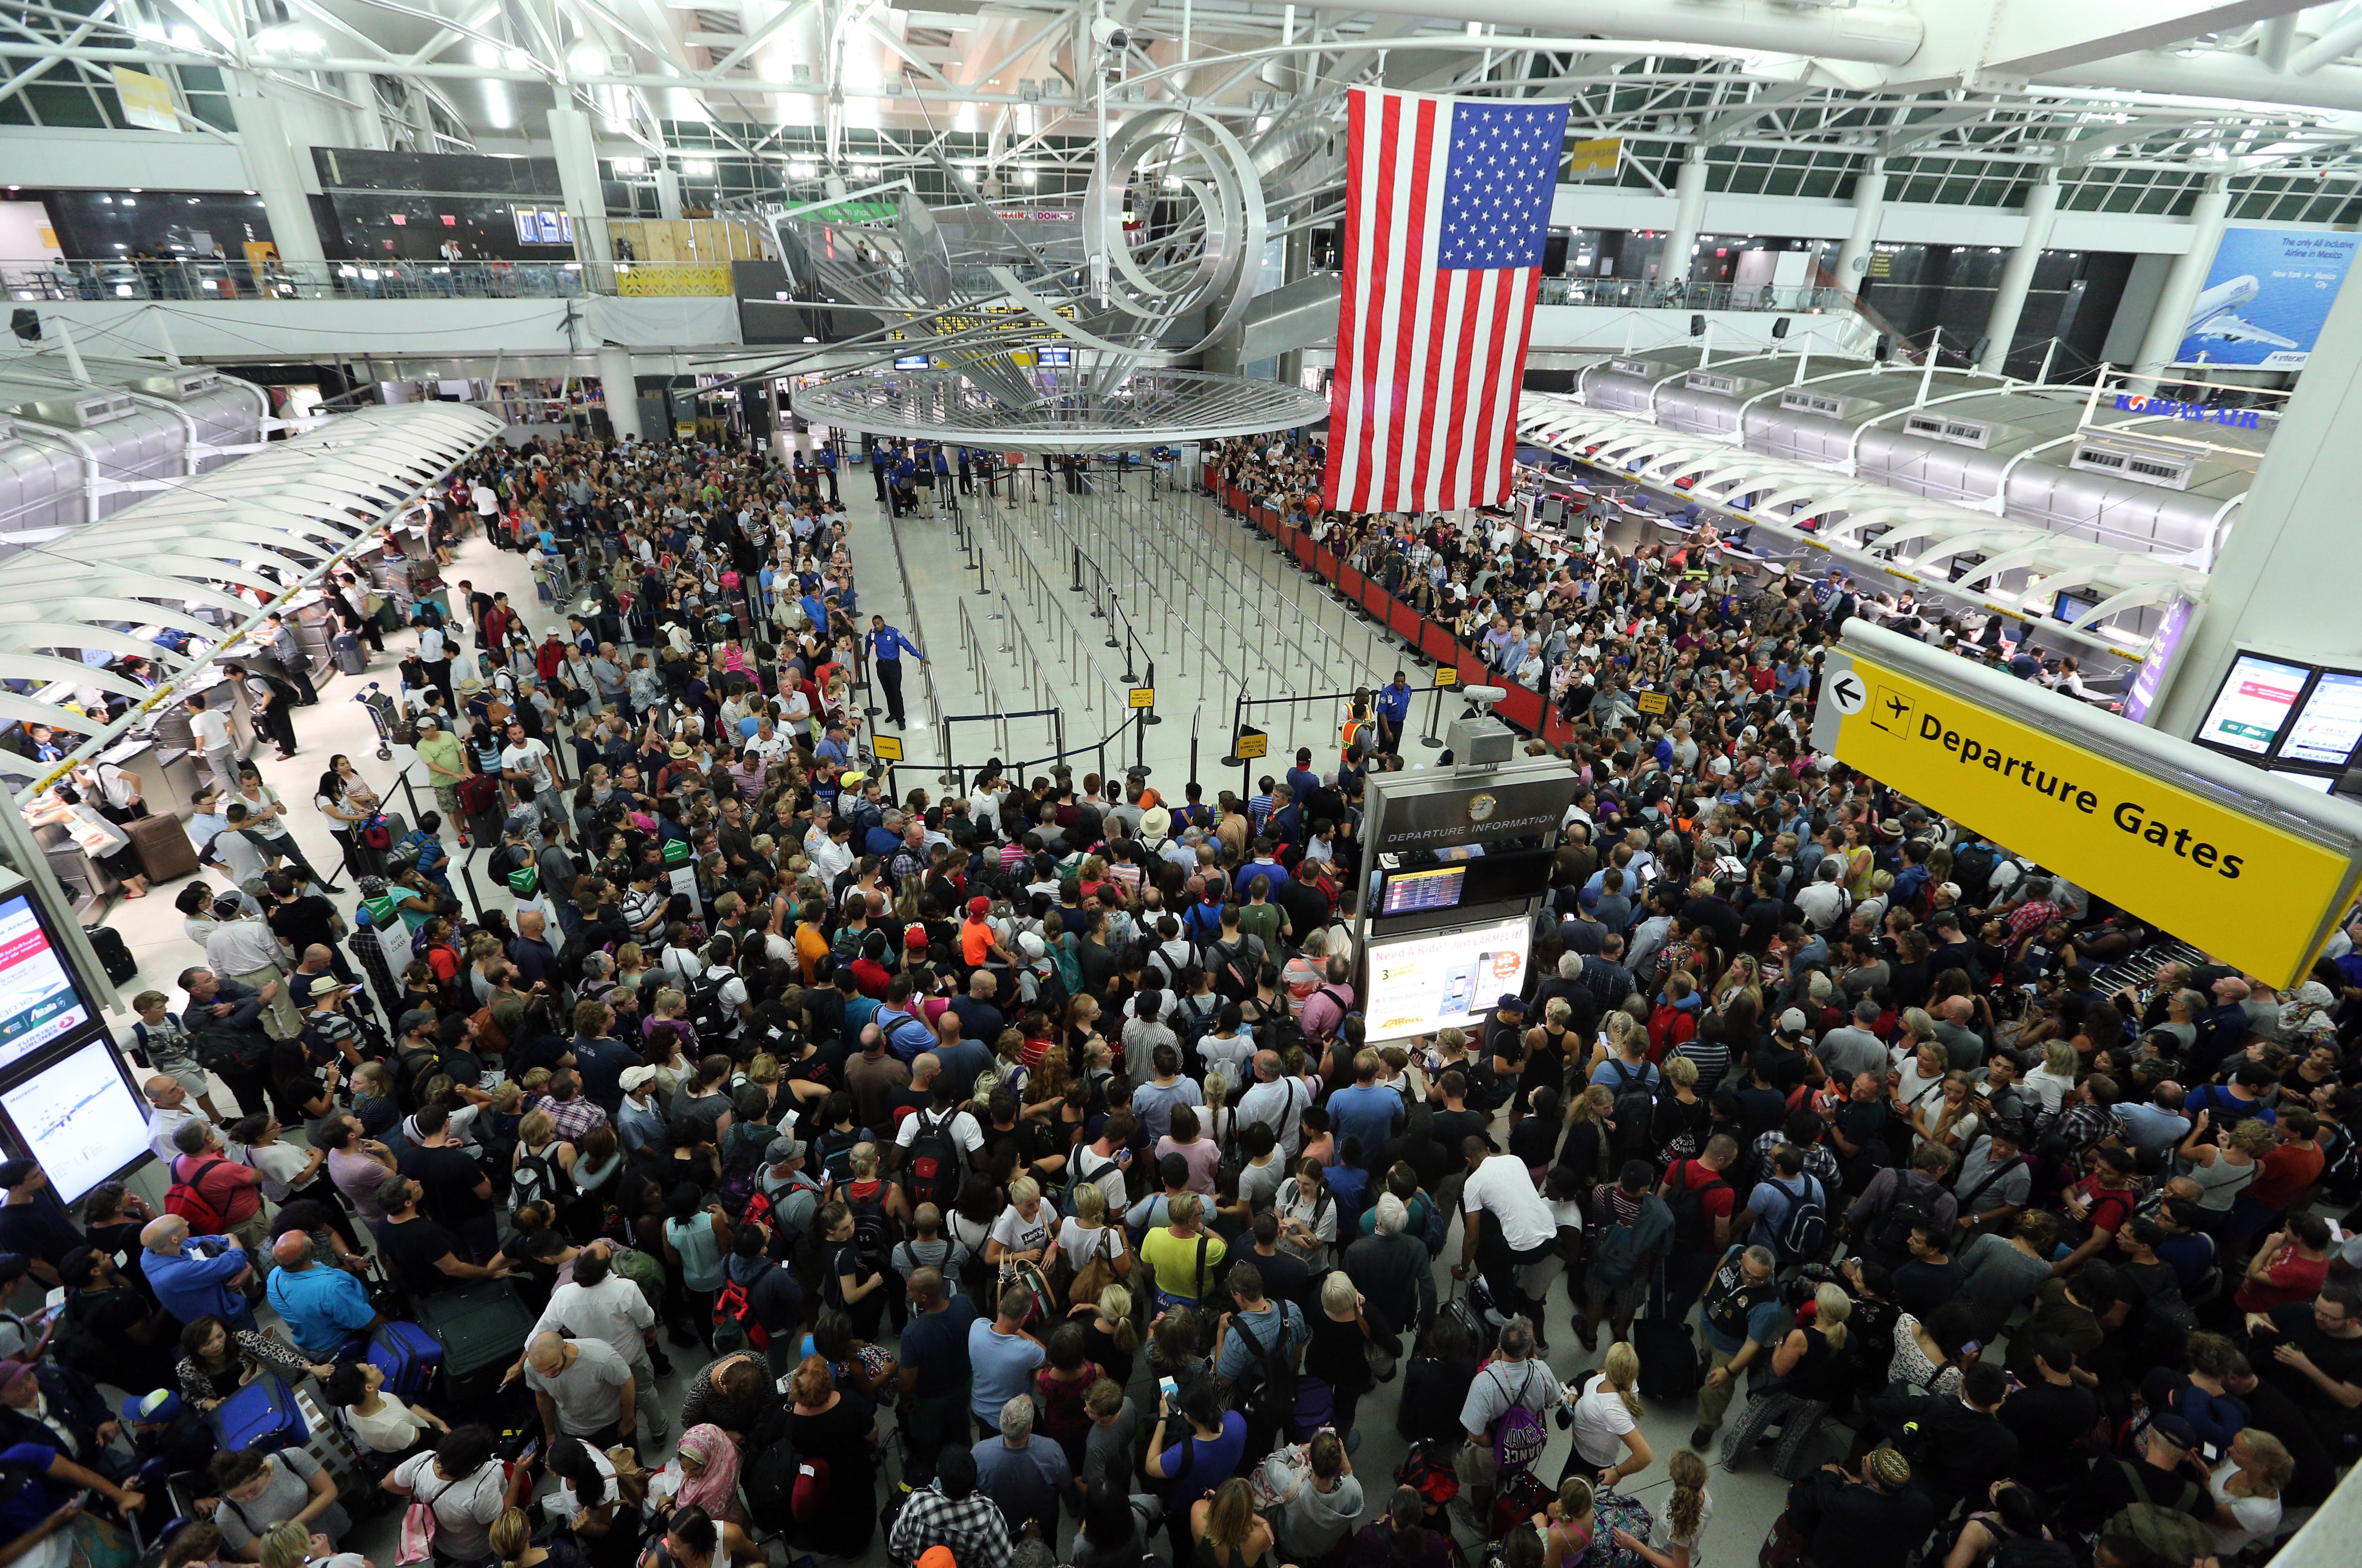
[{"x": 1353, "y": 728}]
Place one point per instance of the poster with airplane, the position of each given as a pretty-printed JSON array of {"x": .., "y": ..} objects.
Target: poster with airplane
[{"x": 2265, "y": 297}]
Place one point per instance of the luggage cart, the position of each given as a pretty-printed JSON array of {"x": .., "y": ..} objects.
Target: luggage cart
[{"x": 382, "y": 713}]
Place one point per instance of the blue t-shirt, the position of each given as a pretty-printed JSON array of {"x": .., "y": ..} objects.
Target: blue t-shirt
[
  {"x": 936, "y": 1347},
  {"x": 29, "y": 1506},
  {"x": 1771, "y": 1199},
  {"x": 1209, "y": 1466},
  {"x": 1003, "y": 1367},
  {"x": 1267, "y": 1325},
  {"x": 1366, "y": 1112}
]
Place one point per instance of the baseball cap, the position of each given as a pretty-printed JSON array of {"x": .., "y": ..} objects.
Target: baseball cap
[
  {"x": 633, "y": 1077},
  {"x": 781, "y": 1149},
  {"x": 1511, "y": 1002},
  {"x": 2174, "y": 1430},
  {"x": 1792, "y": 1021},
  {"x": 979, "y": 905},
  {"x": 417, "y": 1018},
  {"x": 1949, "y": 889},
  {"x": 158, "y": 1405}
]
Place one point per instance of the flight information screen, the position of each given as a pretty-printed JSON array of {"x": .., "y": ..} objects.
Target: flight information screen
[
  {"x": 1408, "y": 893},
  {"x": 2329, "y": 726},
  {"x": 38, "y": 999}
]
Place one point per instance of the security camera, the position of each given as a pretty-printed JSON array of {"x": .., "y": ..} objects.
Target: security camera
[
  {"x": 1484, "y": 697},
  {"x": 1109, "y": 36}
]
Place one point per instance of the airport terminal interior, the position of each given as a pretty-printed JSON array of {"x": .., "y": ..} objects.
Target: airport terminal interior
[{"x": 1417, "y": 784}]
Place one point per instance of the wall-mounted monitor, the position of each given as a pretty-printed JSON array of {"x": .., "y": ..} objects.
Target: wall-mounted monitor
[
  {"x": 80, "y": 1117},
  {"x": 2328, "y": 723},
  {"x": 2253, "y": 705},
  {"x": 1445, "y": 980},
  {"x": 911, "y": 361},
  {"x": 39, "y": 1004},
  {"x": 1057, "y": 355},
  {"x": 1436, "y": 888},
  {"x": 2073, "y": 607}
]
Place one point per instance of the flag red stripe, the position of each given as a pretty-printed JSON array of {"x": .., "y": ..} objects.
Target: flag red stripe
[
  {"x": 1385, "y": 278},
  {"x": 1409, "y": 336},
  {"x": 1344, "y": 388}
]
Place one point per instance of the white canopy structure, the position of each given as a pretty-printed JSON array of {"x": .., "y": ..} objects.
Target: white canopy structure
[
  {"x": 273, "y": 524},
  {"x": 2020, "y": 570}
]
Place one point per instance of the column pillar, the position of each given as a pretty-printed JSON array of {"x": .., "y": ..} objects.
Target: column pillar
[
  {"x": 2277, "y": 586},
  {"x": 577, "y": 178},
  {"x": 1869, "y": 208},
  {"x": 1689, "y": 215},
  {"x": 271, "y": 155},
  {"x": 2017, "y": 272},
  {"x": 2172, "y": 318},
  {"x": 668, "y": 194},
  {"x": 622, "y": 391},
  {"x": 1295, "y": 265}
]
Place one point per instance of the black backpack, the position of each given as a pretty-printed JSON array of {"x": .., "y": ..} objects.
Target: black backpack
[
  {"x": 1692, "y": 1227},
  {"x": 834, "y": 1153},
  {"x": 536, "y": 1179},
  {"x": 1266, "y": 1389},
  {"x": 707, "y": 1013},
  {"x": 934, "y": 1159},
  {"x": 873, "y": 1233},
  {"x": 1235, "y": 969},
  {"x": 1908, "y": 1210},
  {"x": 1635, "y": 1114}
]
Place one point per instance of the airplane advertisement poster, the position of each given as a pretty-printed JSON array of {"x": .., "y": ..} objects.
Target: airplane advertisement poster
[{"x": 2265, "y": 297}]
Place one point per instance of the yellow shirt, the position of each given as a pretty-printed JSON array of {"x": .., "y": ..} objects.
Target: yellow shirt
[{"x": 1175, "y": 1259}]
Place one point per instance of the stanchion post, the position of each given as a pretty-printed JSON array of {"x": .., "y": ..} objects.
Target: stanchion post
[{"x": 1434, "y": 713}]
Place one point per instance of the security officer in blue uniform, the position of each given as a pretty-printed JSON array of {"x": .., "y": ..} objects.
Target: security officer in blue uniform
[{"x": 887, "y": 645}]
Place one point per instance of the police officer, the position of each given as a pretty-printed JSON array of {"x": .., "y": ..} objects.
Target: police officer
[{"x": 887, "y": 645}]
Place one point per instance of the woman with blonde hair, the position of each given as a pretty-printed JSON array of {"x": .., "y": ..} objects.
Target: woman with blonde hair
[
  {"x": 1673, "y": 1543},
  {"x": 2222, "y": 1169},
  {"x": 1809, "y": 1372},
  {"x": 1607, "y": 1439},
  {"x": 541, "y": 1168},
  {"x": 1111, "y": 1336},
  {"x": 289, "y": 1545},
  {"x": 1087, "y": 1235},
  {"x": 515, "y": 1547},
  {"x": 1584, "y": 1149},
  {"x": 1307, "y": 972}
]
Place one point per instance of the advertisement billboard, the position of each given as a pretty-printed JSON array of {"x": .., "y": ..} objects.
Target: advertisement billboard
[
  {"x": 2265, "y": 297},
  {"x": 1445, "y": 978},
  {"x": 2162, "y": 645}
]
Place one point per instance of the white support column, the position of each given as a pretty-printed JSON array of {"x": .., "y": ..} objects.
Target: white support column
[
  {"x": 578, "y": 177},
  {"x": 1869, "y": 208},
  {"x": 2017, "y": 272},
  {"x": 668, "y": 194},
  {"x": 1689, "y": 217},
  {"x": 2172, "y": 318},
  {"x": 271, "y": 154},
  {"x": 622, "y": 391}
]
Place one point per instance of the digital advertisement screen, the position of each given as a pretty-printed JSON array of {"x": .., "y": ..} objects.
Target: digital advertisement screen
[
  {"x": 2329, "y": 725},
  {"x": 38, "y": 1001},
  {"x": 1444, "y": 979},
  {"x": 80, "y": 1117},
  {"x": 2150, "y": 680},
  {"x": 1408, "y": 892},
  {"x": 911, "y": 362},
  {"x": 2253, "y": 704}
]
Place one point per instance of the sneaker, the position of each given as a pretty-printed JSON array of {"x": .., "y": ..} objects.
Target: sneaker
[{"x": 1701, "y": 1437}]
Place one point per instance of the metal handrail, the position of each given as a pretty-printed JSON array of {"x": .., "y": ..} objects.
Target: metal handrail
[{"x": 220, "y": 277}]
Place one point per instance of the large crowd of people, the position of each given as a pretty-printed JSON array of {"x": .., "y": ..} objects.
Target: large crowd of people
[{"x": 1013, "y": 1170}]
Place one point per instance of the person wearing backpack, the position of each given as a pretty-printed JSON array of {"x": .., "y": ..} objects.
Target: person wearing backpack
[
  {"x": 1881, "y": 1221},
  {"x": 1703, "y": 1200},
  {"x": 1633, "y": 1080},
  {"x": 2151, "y": 1499},
  {"x": 1503, "y": 1417},
  {"x": 1742, "y": 1315},
  {"x": 1787, "y": 1211},
  {"x": 1257, "y": 1347},
  {"x": 217, "y": 1194}
]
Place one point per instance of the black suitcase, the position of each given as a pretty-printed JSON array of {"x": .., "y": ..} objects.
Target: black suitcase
[
  {"x": 113, "y": 955},
  {"x": 1669, "y": 1359}
]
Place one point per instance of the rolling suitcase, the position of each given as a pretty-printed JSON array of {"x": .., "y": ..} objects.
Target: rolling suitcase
[
  {"x": 262, "y": 1415},
  {"x": 1669, "y": 1359},
  {"x": 113, "y": 955},
  {"x": 481, "y": 1326},
  {"x": 407, "y": 1354},
  {"x": 164, "y": 847},
  {"x": 347, "y": 648}
]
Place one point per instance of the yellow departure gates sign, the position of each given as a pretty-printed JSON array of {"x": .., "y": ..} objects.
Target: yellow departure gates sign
[{"x": 2245, "y": 889}]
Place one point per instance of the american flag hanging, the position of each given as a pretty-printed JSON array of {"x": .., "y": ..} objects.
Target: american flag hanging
[{"x": 1447, "y": 207}]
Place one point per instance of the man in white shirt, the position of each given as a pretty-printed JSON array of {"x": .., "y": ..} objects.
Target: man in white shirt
[
  {"x": 209, "y": 725},
  {"x": 599, "y": 1304},
  {"x": 531, "y": 773},
  {"x": 829, "y": 848},
  {"x": 238, "y": 850},
  {"x": 167, "y": 1103},
  {"x": 1504, "y": 1224},
  {"x": 242, "y": 949},
  {"x": 1278, "y": 1102}
]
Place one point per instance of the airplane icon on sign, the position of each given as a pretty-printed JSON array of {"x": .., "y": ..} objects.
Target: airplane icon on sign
[
  {"x": 1896, "y": 706},
  {"x": 1889, "y": 709}
]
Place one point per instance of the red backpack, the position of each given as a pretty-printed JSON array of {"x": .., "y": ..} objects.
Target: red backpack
[{"x": 186, "y": 1199}]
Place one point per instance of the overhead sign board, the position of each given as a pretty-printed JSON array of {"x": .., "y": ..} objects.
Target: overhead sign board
[
  {"x": 2225, "y": 857},
  {"x": 2267, "y": 296}
]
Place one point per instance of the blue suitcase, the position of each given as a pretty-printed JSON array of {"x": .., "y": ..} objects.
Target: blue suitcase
[
  {"x": 408, "y": 1355},
  {"x": 263, "y": 1415}
]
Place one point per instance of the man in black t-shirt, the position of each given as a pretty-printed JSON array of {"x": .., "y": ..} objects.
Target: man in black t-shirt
[
  {"x": 2312, "y": 1352},
  {"x": 455, "y": 1194},
  {"x": 420, "y": 1255}
]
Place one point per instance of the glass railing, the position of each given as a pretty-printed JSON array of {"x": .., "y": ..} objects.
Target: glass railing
[
  {"x": 224, "y": 280},
  {"x": 1634, "y": 294}
]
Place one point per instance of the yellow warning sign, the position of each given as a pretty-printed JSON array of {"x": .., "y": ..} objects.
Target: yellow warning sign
[
  {"x": 885, "y": 748},
  {"x": 1143, "y": 696},
  {"x": 1252, "y": 745},
  {"x": 1650, "y": 702},
  {"x": 1446, "y": 675}
]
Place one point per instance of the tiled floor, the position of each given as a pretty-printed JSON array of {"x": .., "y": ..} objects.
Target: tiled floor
[{"x": 1216, "y": 609}]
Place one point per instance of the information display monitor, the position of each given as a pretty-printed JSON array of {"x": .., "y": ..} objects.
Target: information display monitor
[
  {"x": 1438, "y": 887},
  {"x": 2328, "y": 724},
  {"x": 2253, "y": 705},
  {"x": 39, "y": 1003},
  {"x": 80, "y": 1117},
  {"x": 1443, "y": 979}
]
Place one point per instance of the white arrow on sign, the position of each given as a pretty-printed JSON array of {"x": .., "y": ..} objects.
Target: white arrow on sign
[{"x": 1849, "y": 693}]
